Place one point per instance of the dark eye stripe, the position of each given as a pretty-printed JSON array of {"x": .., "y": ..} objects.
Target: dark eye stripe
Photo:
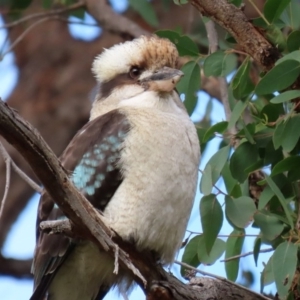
[{"x": 107, "y": 87}]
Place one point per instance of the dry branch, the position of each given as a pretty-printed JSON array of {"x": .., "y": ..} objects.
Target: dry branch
[{"x": 86, "y": 219}]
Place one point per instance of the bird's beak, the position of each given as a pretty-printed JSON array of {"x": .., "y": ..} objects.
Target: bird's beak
[{"x": 163, "y": 80}]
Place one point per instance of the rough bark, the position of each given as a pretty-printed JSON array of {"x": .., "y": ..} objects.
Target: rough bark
[{"x": 233, "y": 20}]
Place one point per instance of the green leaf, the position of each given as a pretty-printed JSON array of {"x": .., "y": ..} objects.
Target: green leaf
[
  {"x": 271, "y": 156},
  {"x": 274, "y": 8},
  {"x": 237, "y": 113},
  {"x": 295, "y": 55},
  {"x": 286, "y": 133},
  {"x": 284, "y": 265},
  {"x": 279, "y": 78},
  {"x": 270, "y": 226},
  {"x": 290, "y": 16},
  {"x": 206, "y": 183},
  {"x": 190, "y": 255},
  {"x": 234, "y": 245},
  {"x": 215, "y": 253},
  {"x": 278, "y": 134},
  {"x": 214, "y": 168},
  {"x": 219, "y": 63},
  {"x": 267, "y": 276},
  {"x": 243, "y": 157},
  {"x": 281, "y": 199},
  {"x": 229, "y": 181},
  {"x": 287, "y": 164},
  {"x": 293, "y": 41},
  {"x": 291, "y": 133},
  {"x": 240, "y": 210},
  {"x": 219, "y": 127},
  {"x": 210, "y": 209},
  {"x": 241, "y": 84},
  {"x": 256, "y": 250},
  {"x": 145, "y": 9},
  {"x": 265, "y": 197},
  {"x": 183, "y": 43},
  {"x": 271, "y": 112},
  {"x": 190, "y": 84},
  {"x": 286, "y": 96}
]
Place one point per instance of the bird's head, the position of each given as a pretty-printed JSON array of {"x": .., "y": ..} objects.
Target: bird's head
[{"x": 131, "y": 68}]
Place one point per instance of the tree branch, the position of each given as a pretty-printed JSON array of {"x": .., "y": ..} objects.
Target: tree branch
[
  {"x": 53, "y": 12},
  {"x": 85, "y": 218},
  {"x": 17, "y": 268},
  {"x": 55, "y": 180},
  {"x": 106, "y": 17},
  {"x": 235, "y": 22}
]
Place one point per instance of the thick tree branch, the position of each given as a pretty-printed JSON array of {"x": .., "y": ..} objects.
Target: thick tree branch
[
  {"x": 55, "y": 180},
  {"x": 235, "y": 22},
  {"x": 84, "y": 217}
]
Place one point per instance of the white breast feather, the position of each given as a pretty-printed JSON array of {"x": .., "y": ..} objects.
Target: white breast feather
[{"x": 160, "y": 164}]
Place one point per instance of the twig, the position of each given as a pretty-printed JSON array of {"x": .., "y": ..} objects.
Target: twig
[
  {"x": 225, "y": 235},
  {"x": 7, "y": 183},
  {"x": 25, "y": 177},
  {"x": 246, "y": 254},
  {"x": 116, "y": 268},
  {"x": 219, "y": 278},
  {"x": 44, "y": 14}
]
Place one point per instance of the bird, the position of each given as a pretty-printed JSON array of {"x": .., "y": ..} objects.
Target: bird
[{"x": 136, "y": 160}]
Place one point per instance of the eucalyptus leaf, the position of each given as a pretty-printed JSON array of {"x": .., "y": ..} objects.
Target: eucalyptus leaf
[
  {"x": 215, "y": 253},
  {"x": 270, "y": 226},
  {"x": 281, "y": 199},
  {"x": 279, "y": 78},
  {"x": 183, "y": 43},
  {"x": 214, "y": 167},
  {"x": 274, "y": 8},
  {"x": 243, "y": 157},
  {"x": 286, "y": 96},
  {"x": 190, "y": 254},
  {"x": 240, "y": 210},
  {"x": 284, "y": 264},
  {"x": 234, "y": 245},
  {"x": 190, "y": 85},
  {"x": 210, "y": 209}
]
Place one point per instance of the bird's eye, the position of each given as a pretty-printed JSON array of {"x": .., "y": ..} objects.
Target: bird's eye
[{"x": 134, "y": 72}]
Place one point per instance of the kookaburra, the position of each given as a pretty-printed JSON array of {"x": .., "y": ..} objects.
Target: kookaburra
[{"x": 136, "y": 161}]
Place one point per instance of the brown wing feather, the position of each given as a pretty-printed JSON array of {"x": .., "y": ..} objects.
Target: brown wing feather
[{"x": 106, "y": 133}]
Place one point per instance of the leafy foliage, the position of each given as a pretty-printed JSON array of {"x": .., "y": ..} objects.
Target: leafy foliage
[
  {"x": 261, "y": 136},
  {"x": 270, "y": 141}
]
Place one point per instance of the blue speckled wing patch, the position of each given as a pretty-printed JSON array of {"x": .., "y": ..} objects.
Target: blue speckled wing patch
[
  {"x": 92, "y": 157},
  {"x": 95, "y": 166}
]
